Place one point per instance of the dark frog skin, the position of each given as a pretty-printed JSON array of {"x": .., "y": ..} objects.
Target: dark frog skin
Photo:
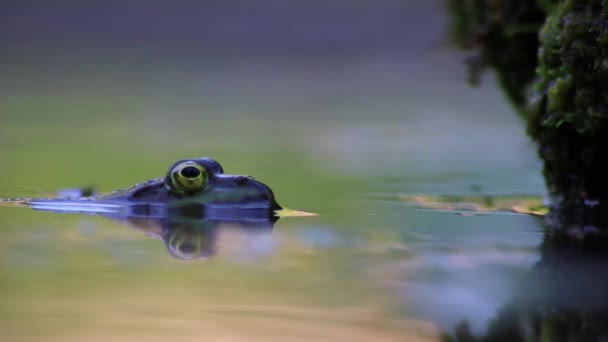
[{"x": 192, "y": 185}]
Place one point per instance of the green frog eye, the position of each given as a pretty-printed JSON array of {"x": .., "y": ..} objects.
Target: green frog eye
[{"x": 187, "y": 177}]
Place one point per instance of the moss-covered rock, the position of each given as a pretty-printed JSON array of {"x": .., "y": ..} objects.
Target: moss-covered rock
[
  {"x": 551, "y": 58},
  {"x": 568, "y": 112}
]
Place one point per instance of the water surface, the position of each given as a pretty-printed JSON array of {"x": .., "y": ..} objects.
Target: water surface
[{"x": 343, "y": 138}]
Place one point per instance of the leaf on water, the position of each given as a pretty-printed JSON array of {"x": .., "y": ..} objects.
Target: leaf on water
[
  {"x": 14, "y": 202},
  {"x": 529, "y": 205},
  {"x": 293, "y": 213}
]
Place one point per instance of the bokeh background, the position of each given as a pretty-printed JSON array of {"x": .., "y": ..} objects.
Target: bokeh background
[
  {"x": 341, "y": 107},
  {"x": 357, "y": 87}
]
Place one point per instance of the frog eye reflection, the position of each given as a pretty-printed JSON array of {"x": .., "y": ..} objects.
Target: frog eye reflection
[
  {"x": 188, "y": 177},
  {"x": 186, "y": 246}
]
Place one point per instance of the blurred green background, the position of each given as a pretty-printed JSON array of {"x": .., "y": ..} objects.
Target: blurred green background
[{"x": 332, "y": 104}]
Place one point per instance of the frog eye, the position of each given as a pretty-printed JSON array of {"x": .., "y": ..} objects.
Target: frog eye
[{"x": 187, "y": 177}]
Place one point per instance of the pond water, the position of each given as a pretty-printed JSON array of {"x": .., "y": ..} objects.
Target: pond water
[{"x": 344, "y": 138}]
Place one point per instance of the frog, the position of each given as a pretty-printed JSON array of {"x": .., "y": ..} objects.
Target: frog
[
  {"x": 190, "y": 187},
  {"x": 199, "y": 184}
]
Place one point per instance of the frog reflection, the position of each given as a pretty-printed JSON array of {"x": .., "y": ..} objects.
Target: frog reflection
[{"x": 197, "y": 237}]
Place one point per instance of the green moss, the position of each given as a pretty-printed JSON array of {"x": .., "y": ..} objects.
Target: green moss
[
  {"x": 557, "y": 93},
  {"x": 568, "y": 115}
]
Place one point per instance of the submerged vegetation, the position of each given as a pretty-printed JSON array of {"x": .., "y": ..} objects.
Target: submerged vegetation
[{"x": 551, "y": 59}]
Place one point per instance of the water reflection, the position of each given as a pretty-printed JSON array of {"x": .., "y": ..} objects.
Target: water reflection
[
  {"x": 462, "y": 267},
  {"x": 562, "y": 298},
  {"x": 188, "y": 236},
  {"x": 188, "y": 230}
]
